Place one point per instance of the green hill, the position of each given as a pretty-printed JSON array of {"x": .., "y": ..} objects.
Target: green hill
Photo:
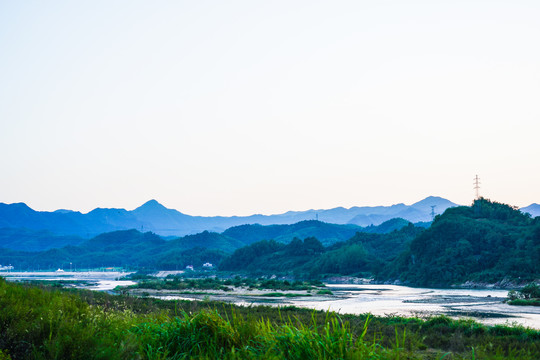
[
  {"x": 127, "y": 248},
  {"x": 23, "y": 239},
  {"x": 485, "y": 242},
  {"x": 206, "y": 239},
  {"x": 363, "y": 253},
  {"x": 327, "y": 233},
  {"x": 131, "y": 248}
]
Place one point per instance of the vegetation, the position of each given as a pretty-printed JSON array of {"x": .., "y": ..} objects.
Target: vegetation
[
  {"x": 178, "y": 283},
  {"x": 485, "y": 242},
  {"x": 34, "y": 240},
  {"x": 128, "y": 249},
  {"x": 38, "y": 322},
  {"x": 529, "y": 295},
  {"x": 327, "y": 233},
  {"x": 525, "y": 302},
  {"x": 269, "y": 256},
  {"x": 363, "y": 254},
  {"x": 133, "y": 249},
  {"x": 179, "y": 259}
]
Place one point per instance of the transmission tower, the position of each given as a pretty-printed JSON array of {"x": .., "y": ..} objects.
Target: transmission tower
[
  {"x": 477, "y": 186},
  {"x": 433, "y": 212}
]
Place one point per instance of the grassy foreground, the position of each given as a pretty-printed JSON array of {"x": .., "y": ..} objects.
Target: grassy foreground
[{"x": 40, "y": 322}]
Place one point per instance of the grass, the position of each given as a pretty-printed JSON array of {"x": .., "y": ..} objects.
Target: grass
[
  {"x": 325, "y": 292},
  {"x": 41, "y": 322},
  {"x": 529, "y": 295},
  {"x": 180, "y": 283},
  {"x": 525, "y": 302}
]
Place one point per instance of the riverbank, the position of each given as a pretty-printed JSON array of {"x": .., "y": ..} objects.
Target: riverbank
[
  {"x": 506, "y": 284},
  {"x": 44, "y": 322},
  {"x": 503, "y": 284},
  {"x": 485, "y": 306}
]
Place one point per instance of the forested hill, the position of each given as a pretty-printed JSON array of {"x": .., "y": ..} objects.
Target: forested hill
[
  {"x": 229, "y": 240},
  {"x": 325, "y": 232},
  {"x": 486, "y": 242},
  {"x": 362, "y": 255},
  {"x": 133, "y": 248},
  {"x": 125, "y": 248}
]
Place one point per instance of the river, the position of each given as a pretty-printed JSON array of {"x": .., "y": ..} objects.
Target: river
[
  {"x": 93, "y": 280},
  {"x": 485, "y": 305}
]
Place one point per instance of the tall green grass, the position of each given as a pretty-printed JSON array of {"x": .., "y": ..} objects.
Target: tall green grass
[{"x": 39, "y": 322}]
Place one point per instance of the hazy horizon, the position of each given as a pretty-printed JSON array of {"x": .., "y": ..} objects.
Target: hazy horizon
[
  {"x": 255, "y": 213},
  {"x": 249, "y": 107}
]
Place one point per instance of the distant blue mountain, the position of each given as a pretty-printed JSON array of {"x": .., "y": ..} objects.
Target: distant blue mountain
[
  {"x": 533, "y": 209},
  {"x": 152, "y": 216}
]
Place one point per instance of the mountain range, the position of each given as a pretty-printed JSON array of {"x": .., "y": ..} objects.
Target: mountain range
[
  {"x": 133, "y": 248},
  {"x": 20, "y": 239},
  {"x": 154, "y": 217}
]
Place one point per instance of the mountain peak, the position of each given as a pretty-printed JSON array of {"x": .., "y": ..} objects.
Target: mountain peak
[
  {"x": 441, "y": 204},
  {"x": 19, "y": 206},
  {"x": 151, "y": 204},
  {"x": 433, "y": 200},
  {"x": 533, "y": 209}
]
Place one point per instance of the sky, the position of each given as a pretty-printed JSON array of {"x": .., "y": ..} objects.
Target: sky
[{"x": 243, "y": 107}]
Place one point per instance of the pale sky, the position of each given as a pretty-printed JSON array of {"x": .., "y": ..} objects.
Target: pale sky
[{"x": 242, "y": 107}]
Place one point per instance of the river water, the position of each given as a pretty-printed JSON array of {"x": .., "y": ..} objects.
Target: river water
[
  {"x": 484, "y": 305},
  {"x": 93, "y": 280}
]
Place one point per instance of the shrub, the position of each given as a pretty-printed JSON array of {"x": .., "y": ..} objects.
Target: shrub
[{"x": 531, "y": 291}]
